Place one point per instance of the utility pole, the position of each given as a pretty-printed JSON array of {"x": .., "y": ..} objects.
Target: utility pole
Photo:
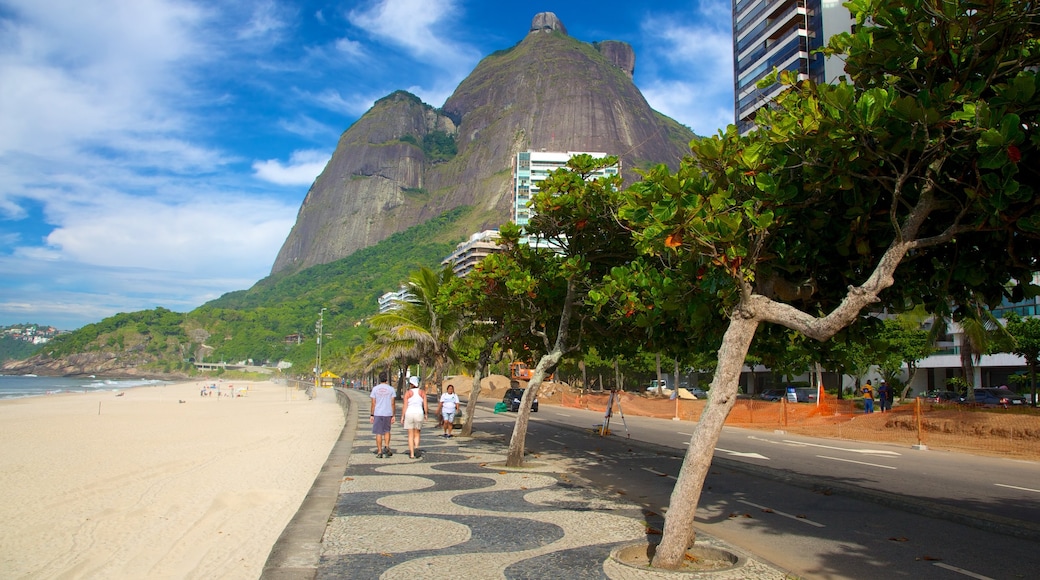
[{"x": 317, "y": 364}]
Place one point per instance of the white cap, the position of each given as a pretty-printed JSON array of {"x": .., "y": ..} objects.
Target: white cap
[{"x": 414, "y": 381}]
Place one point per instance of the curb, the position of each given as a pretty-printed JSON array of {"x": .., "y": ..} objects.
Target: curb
[{"x": 297, "y": 552}]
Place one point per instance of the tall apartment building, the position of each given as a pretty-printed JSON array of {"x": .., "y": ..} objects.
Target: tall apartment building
[
  {"x": 781, "y": 34},
  {"x": 468, "y": 253},
  {"x": 532, "y": 167},
  {"x": 391, "y": 300}
]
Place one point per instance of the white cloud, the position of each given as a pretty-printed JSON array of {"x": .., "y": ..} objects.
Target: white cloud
[
  {"x": 265, "y": 22},
  {"x": 75, "y": 70},
  {"x": 350, "y": 47},
  {"x": 702, "y": 97},
  {"x": 413, "y": 25},
  {"x": 353, "y": 105},
  {"x": 303, "y": 167}
]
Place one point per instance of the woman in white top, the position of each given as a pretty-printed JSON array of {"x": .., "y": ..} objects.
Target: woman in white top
[
  {"x": 413, "y": 413},
  {"x": 447, "y": 408}
]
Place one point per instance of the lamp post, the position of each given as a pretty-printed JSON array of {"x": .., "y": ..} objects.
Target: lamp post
[{"x": 317, "y": 363}]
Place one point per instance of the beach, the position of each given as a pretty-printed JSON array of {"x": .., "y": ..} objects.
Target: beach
[{"x": 157, "y": 482}]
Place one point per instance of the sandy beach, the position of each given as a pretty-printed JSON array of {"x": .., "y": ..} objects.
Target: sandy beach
[{"x": 159, "y": 482}]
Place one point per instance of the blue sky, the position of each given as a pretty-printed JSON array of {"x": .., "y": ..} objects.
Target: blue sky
[{"x": 156, "y": 152}]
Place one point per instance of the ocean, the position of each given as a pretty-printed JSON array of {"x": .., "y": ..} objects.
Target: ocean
[{"x": 17, "y": 386}]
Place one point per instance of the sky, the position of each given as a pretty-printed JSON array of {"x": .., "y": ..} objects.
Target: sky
[{"x": 156, "y": 152}]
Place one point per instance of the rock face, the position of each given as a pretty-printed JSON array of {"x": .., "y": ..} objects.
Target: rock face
[
  {"x": 547, "y": 22},
  {"x": 550, "y": 91},
  {"x": 102, "y": 364},
  {"x": 620, "y": 54}
]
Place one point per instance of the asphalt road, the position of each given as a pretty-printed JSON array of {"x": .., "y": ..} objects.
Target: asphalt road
[{"x": 819, "y": 508}]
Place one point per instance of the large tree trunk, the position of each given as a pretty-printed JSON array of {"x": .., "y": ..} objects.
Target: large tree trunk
[
  {"x": 682, "y": 506},
  {"x": 471, "y": 402},
  {"x": 515, "y": 457}
]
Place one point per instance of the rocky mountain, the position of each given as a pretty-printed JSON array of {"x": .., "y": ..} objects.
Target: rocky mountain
[{"x": 404, "y": 162}]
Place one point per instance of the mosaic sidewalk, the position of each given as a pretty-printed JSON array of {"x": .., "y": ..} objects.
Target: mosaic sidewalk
[{"x": 457, "y": 512}]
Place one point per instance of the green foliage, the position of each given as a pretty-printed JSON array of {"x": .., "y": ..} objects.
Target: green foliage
[
  {"x": 146, "y": 325},
  {"x": 438, "y": 146},
  {"x": 897, "y": 344},
  {"x": 253, "y": 324},
  {"x": 16, "y": 349}
]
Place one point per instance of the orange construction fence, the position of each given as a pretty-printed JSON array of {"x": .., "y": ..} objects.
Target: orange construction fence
[{"x": 1010, "y": 432}]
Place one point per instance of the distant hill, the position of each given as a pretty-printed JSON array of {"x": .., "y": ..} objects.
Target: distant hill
[
  {"x": 405, "y": 184},
  {"x": 251, "y": 324},
  {"x": 404, "y": 162}
]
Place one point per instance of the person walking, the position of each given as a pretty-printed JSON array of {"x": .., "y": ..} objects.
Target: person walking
[
  {"x": 446, "y": 409},
  {"x": 413, "y": 413},
  {"x": 868, "y": 398},
  {"x": 384, "y": 407},
  {"x": 883, "y": 393}
]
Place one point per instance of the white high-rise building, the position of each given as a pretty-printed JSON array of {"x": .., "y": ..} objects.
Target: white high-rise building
[
  {"x": 532, "y": 167},
  {"x": 467, "y": 254},
  {"x": 781, "y": 34}
]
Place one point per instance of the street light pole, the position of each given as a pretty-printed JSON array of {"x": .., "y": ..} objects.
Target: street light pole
[{"x": 317, "y": 364}]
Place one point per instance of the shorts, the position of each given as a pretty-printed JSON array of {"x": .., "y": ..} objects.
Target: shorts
[
  {"x": 381, "y": 425},
  {"x": 413, "y": 419},
  {"x": 449, "y": 417}
]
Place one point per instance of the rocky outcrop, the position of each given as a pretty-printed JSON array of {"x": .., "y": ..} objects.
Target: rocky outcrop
[
  {"x": 100, "y": 363},
  {"x": 547, "y": 22},
  {"x": 620, "y": 54},
  {"x": 550, "y": 91}
]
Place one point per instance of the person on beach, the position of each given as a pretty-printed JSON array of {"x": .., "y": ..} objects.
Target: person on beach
[
  {"x": 384, "y": 407},
  {"x": 446, "y": 409},
  {"x": 413, "y": 413}
]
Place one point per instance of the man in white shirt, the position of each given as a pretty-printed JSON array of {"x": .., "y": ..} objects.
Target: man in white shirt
[{"x": 384, "y": 406}]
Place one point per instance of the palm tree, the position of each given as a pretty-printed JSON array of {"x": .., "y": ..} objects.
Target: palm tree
[
  {"x": 422, "y": 328},
  {"x": 979, "y": 330}
]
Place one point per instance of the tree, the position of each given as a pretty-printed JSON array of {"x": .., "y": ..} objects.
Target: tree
[
  {"x": 901, "y": 341},
  {"x": 928, "y": 157},
  {"x": 576, "y": 239},
  {"x": 980, "y": 333},
  {"x": 1025, "y": 333},
  {"x": 423, "y": 328}
]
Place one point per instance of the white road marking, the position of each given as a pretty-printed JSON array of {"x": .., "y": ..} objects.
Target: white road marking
[
  {"x": 1016, "y": 487},
  {"x": 557, "y": 442},
  {"x": 742, "y": 454},
  {"x": 687, "y": 434},
  {"x": 562, "y": 415},
  {"x": 967, "y": 573},
  {"x": 779, "y": 513},
  {"x": 854, "y": 461},
  {"x": 866, "y": 451},
  {"x": 655, "y": 472}
]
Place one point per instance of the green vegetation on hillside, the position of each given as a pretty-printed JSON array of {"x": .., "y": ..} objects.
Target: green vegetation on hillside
[
  {"x": 256, "y": 324},
  {"x": 16, "y": 349},
  {"x": 438, "y": 146}
]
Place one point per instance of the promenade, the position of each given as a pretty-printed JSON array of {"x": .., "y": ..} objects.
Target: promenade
[{"x": 458, "y": 512}]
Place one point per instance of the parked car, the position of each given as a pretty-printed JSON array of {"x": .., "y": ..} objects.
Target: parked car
[
  {"x": 942, "y": 397},
  {"x": 658, "y": 388},
  {"x": 805, "y": 394},
  {"x": 772, "y": 395},
  {"x": 998, "y": 397},
  {"x": 512, "y": 400}
]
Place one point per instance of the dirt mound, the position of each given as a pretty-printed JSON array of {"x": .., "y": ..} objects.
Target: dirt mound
[{"x": 494, "y": 387}]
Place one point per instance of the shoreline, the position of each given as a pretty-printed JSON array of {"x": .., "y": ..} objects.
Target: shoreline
[{"x": 145, "y": 482}]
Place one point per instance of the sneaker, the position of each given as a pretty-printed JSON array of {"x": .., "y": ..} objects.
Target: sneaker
[
  {"x": 387, "y": 452},
  {"x": 379, "y": 455}
]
